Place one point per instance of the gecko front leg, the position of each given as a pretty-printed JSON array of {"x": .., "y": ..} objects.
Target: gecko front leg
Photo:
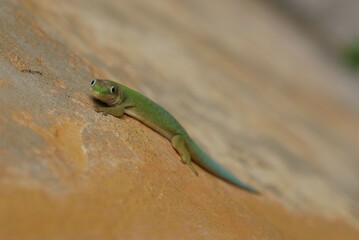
[{"x": 116, "y": 111}]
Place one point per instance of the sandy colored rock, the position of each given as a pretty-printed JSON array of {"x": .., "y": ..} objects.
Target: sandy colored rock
[{"x": 250, "y": 87}]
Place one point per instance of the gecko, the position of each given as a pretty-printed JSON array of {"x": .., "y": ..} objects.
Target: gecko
[{"x": 118, "y": 100}]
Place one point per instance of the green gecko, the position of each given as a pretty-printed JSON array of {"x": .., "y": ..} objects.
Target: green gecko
[{"x": 120, "y": 100}]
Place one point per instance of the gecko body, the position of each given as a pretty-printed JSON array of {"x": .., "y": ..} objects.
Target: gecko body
[{"x": 119, "y": 100}]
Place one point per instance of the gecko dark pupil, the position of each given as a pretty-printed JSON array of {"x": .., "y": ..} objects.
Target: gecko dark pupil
[
  {"x": 112, "y": 89},
  {"x": 93, "y": 82}
]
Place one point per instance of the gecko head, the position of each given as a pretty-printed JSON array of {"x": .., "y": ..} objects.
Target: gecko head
[{"x": 106, "y": 91}]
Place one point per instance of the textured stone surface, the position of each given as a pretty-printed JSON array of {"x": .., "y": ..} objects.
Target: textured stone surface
[{"x": 249, "y": 87}]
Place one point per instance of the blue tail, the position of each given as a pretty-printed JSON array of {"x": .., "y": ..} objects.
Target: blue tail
[{"x": 206, "y": 162}]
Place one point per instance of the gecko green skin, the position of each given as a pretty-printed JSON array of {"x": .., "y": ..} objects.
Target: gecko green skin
[{"x": 120, "y": 100}]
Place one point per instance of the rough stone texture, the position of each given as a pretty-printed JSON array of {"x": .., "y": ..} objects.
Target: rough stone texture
[{"x": 255, "y": 92}]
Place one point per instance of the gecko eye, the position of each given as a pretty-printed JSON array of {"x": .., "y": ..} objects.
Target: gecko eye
[
  {"x": 93, "y": 82},
  {"x": 113, "y": 89}
]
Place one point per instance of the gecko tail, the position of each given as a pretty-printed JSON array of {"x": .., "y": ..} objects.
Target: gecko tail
[{"x": 206, "y": 162}]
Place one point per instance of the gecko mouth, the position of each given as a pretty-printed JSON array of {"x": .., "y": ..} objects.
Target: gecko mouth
[
  {"x": 95, "y": 101},
  {"x": 105, "y": 99}
]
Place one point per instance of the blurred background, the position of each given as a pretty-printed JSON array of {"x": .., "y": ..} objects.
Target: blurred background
[{"x": 334, "y": 24}]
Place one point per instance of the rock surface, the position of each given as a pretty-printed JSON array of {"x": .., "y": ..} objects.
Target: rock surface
[{"x": 254, "y": 91}]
